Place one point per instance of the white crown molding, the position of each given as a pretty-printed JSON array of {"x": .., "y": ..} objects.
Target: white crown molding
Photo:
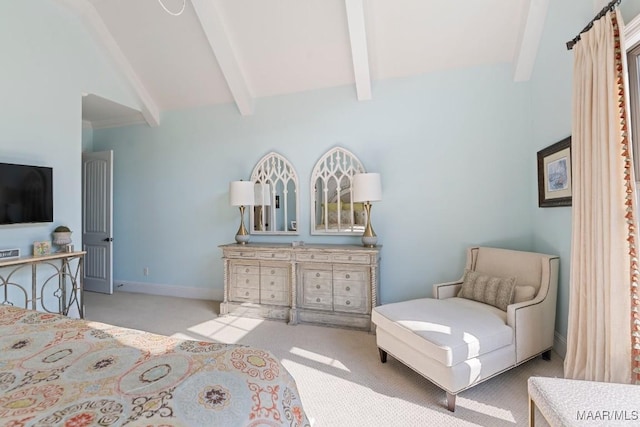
[
  {"x": 359, "y": 53},
  {"x": 215, "y": 30},
  {"x": 632, "y": 33},
  {"x": 533, "y": 21},
  {"x": 103, "y": 36},
  {"x": 168, "y": 290}
]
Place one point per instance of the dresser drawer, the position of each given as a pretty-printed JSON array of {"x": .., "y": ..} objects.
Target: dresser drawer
[
  {"x": 244, "y": 269},
  {"x": 279, "y": 256},
  {"x": 351, "y": 258},
  {"x": 273, "y": 271},
  {"x": 352, "y": 290},
  {"x": 274, "y": 297},
  {"x": 313, "y": 287},
  {"x": 317, "y": 275},
  {"x": 245, "y": 281},
  {"x": 274, "y": 283},
  {"x": 239, "y": 253},
  {"x": 245, "y": 294},
  {"x": 351, "y": 274},
  {"x": 349, "y": 304},
  {"x": 313, "y": 257},
  {"x": 317, "y": 301}
]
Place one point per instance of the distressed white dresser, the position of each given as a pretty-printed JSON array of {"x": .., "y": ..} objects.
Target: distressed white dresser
[{"x": 334, "y": 285}]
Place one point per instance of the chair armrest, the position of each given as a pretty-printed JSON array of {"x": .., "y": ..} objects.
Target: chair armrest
[
  {"x": 533, "y": 326},
  {"x": 533, "y": 322},
  {"x": 446, "y": 290}
]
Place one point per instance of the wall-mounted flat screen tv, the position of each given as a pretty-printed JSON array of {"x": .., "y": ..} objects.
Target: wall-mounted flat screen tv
[{"x": 26, "y": 194}]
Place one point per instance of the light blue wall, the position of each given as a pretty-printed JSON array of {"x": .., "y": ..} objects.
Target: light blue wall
[
  {"x": 551, "y": 87},
  {"x": 453, "y": 149},
  {"x": 48, "y": 61},
  {"x": 87, "y": 139},
  {"x": 456, "y": 151}
]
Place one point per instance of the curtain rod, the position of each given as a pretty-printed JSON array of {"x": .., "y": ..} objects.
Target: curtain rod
[{"x": 603, "y": 12}]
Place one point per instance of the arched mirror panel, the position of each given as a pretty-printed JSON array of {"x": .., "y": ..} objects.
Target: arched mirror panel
[
  {"x": 276, "y": 196},
  {"x": 332, "y": 209}
]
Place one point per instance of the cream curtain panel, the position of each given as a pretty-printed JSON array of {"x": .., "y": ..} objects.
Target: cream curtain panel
[{"x": 603, "y": 253}]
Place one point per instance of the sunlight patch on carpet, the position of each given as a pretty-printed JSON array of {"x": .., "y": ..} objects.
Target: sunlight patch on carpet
[
  {"x": 489, "y": 410},
  {"x": 318, "y": 358},
  {"x": 228, "y": 329}
]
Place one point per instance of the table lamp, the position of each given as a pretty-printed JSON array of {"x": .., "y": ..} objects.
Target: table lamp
[
  {"x": 241, "y": 193},
  {"x": 367, "y": 188}
]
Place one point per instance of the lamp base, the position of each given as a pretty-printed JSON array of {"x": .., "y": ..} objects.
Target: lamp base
[
  {"x": 369, "y": 238},
  {"x": 242, "y": 236},
  {"x": 369, "y": 241},
  {"x": 242, "y": 239}
]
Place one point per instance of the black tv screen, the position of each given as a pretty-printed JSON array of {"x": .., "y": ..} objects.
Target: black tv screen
[{"x": 26, "y": 194}]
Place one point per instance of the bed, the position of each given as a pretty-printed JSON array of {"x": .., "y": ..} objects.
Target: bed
[{"x": 58, "y": 371}]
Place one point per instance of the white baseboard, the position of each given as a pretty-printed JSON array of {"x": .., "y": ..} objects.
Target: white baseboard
[
  {"x": 168, "y": 290},
  {"x": 560, "y": 345}
]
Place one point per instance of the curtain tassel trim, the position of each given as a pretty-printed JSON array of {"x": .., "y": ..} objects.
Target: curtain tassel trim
[{"x": 630, "y": 215}]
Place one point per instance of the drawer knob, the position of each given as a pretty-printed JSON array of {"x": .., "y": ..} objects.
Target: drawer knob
[
  {"x": 317, "y": 299},
  {"x": 273, "y": 255},
  {"x": 273, "y": 272},
  {"x": 313, "y": 256},
  {"x": 246, "y": 281},
  {"x": 317, "y": 286},
  {"x": 348, "y": 288},
  {"x": 246, "y": 294},
  {"x": 349, "y": 257},
  {"x": 348, "y": 302},
  {"x": 317, "y": 274},
  {"x": 273, "y": 283},
  {"x": 273, "y": 296},
  {"x": 348, "y": 276},
  {"x": 246, "y": 270}
]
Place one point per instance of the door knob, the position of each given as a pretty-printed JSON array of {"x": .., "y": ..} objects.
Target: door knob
[{"x": 108, "y": 239}]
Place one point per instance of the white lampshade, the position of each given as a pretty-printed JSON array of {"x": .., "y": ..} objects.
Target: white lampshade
[
  {"x": 241, "y": 193},
  {"x": 262, "y": 194},
  {"x": 367, "y": 187}
]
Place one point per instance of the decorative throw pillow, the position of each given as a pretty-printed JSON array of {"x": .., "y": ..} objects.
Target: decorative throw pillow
[
  {"x": 345, "y": 217},
  {"x": 361, "y": 216},
  {"x": 495, "y": 291},
  {"x": 524, "y": 293}
]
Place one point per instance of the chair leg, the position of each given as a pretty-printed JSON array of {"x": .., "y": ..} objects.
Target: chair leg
[
  {"x": 451, "y": 402},
  {"x": 546, "y": 355},
  {"x": 383, "y": 355}
]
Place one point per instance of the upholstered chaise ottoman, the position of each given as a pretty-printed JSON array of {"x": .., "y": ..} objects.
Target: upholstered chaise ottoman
[
  {"x": 455, "y": 339},
  {"x": 458, "y": 341},
  {"x": 565, "y": 402}
]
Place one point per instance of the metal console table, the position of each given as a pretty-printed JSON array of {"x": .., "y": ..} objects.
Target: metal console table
[{"x": 65, "y": 278}]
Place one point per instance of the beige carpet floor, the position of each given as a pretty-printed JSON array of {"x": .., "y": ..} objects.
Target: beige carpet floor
[{"x": 338, "y": 372}]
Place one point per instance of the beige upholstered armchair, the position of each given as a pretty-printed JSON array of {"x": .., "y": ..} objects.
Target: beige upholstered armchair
[{"x": 500, "y": 314}]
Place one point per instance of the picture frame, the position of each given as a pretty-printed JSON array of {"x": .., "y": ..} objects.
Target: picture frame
[
  {"x": 42, "y": 248},
  {"x": 554, "y": 175}
]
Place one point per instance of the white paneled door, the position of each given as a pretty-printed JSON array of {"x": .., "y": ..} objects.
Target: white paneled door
[{"x": 97, "y": 213}]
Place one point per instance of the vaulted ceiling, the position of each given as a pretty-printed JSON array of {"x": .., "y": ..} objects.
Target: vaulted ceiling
[{"x": 224, "y": 51}]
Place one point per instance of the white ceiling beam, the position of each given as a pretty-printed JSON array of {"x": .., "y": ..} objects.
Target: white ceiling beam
[
  {"x": 213, "y": 25},
  {"x": 359, "y": 53},
  {"x": 531, "y": 32},
  {"x": 103, "y": 36}
]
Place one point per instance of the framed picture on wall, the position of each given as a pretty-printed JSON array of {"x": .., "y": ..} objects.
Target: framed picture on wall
[{"x": 554, "y": 175}]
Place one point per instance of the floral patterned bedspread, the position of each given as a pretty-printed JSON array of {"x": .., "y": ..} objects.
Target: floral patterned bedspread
[{"x": 57, "y": 371}]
